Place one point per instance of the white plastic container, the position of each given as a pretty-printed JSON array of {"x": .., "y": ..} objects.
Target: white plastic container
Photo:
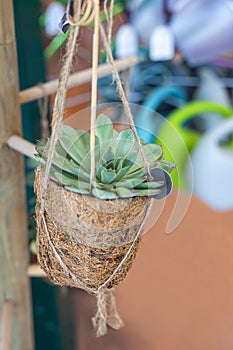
[
  {"x": 204, "y": 30},
  {"x": 126, "y": 41},
  {"x": 162, "y": 44},
  {"x": 213, "y": 168}
]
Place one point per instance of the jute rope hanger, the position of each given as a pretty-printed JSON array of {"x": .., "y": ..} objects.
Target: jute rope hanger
[
  {"x": 102, "y": 317},
  {"x": 109, "y": 18},
  {"x": 58, "y": 111}
]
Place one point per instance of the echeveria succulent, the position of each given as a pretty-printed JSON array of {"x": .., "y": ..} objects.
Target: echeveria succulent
[{"x": 120, "y": 171}]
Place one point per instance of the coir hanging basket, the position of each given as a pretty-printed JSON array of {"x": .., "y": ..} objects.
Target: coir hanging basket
[{"x": 82, "y": 241}]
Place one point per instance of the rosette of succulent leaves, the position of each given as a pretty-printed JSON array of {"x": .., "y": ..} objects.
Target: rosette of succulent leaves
[{"x": 120, "y": 171}]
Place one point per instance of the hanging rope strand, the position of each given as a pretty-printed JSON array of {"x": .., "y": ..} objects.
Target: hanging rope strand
[
  {"x": 95, "y": 62},
  {"x": 109, "y": 19},
  {"x": 59, "y": 106},
  {"x": 110, "y": 23},
  {"x": 106, "y": 9},
  {"x": 123, "y": 97}
]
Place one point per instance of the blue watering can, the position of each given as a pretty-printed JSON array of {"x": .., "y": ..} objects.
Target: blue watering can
[{"x": 147, "y": 121}]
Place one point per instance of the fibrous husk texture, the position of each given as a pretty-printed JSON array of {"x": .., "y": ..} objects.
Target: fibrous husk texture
[{"x": 94, "y": 245}]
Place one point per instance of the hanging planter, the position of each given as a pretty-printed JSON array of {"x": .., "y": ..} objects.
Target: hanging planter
[
  {"x": 91, "y": 227},
  {"x": 94, "y": 190}
]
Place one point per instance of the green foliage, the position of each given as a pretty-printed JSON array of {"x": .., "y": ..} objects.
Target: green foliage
[{"x": 120, "y": 169}]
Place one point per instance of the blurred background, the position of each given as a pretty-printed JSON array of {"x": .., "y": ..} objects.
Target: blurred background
[{"x": 179, "y": 293}]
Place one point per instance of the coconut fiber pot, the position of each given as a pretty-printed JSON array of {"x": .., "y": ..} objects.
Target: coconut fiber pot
[{"x": 81, "y": 240}]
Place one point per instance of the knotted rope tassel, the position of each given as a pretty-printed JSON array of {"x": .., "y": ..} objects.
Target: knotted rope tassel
[{"x": 107, "y": 314}]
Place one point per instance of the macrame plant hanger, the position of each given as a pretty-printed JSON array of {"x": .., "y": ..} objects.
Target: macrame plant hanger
[{"x": 83, "y": 13}]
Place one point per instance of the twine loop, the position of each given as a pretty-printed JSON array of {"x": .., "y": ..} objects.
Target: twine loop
[{"x": 86, "y": 10}]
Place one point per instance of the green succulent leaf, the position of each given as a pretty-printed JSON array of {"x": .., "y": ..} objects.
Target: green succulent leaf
[
  {"x": 101, "y": 186},
  {"x": 104, "y": 128},
  {"x": 40, "y": 150},
  {"x": 149, "y": 185},
  {"x": 166, "y": 165},
  {"x": 120, "y": 169},
  {"x": 107, "y": 156},
  {"x": 104, "y": 194},
  {"x": 70, "y": 149},
  {"x": 139, "y": 172},
  {"x": 121, "y": 173},
  {"x": 67, "y": 180},
  {"x": 123, "y": 192},
  {"x": 125, "y": 142},
  {"x": 78, "y": 190},
  {"x": 152, "y": 153},
  {"x": 118, "y": 163},
  {"x": 145, "y": 192},
  {"x": 69, "y": 131},
  {"x": 130, "y": 183},
  {"x": 76, "y": 147},
  {"x": 107, "y": 176},
  {"x": 63, "y": 164}
]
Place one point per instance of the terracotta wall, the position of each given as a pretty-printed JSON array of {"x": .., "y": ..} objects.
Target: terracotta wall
[{"x": 178, "y": 295}]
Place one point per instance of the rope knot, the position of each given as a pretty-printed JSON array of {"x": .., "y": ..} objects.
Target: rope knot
[{"x": 107, "y": 314}]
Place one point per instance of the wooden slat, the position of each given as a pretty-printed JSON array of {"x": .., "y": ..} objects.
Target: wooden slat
[
  {"x": 22, "y": 146},
  {"x": 6, "y": 325},
  {"x": 14, "y": 284},
  {"x": 76, "y": 79},
  {"x": 34, "y": 270}
]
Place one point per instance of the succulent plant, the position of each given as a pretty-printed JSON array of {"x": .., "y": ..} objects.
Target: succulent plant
[{"x": 120, "y": 171}]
